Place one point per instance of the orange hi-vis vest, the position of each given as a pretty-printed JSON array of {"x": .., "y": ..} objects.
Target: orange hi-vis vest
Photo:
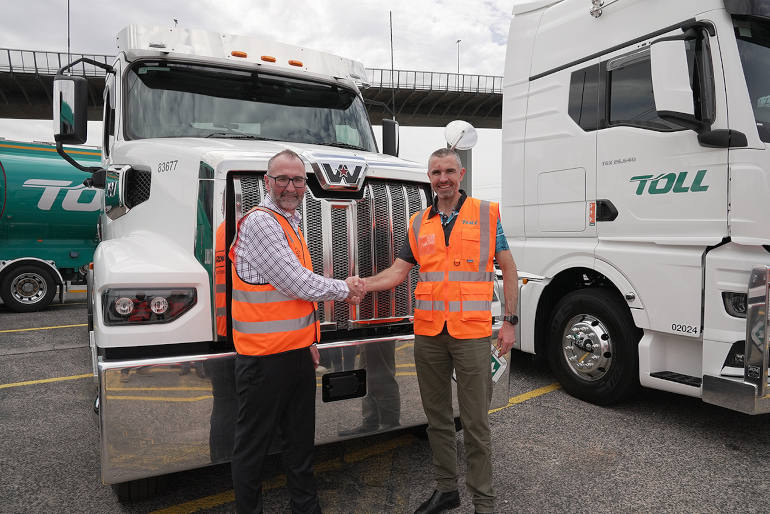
[
  {"x": 456, "y": 281},
  {"x": 220, "y": 281},
  {"x": 266, "y": 321}
]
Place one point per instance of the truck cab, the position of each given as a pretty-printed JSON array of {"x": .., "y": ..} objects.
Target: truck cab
[
  {"x": 638, "y": 237},
  {"x": 191, "y": 119}
]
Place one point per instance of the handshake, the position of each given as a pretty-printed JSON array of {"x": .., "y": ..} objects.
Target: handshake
[{"x": 357, "y": 287}]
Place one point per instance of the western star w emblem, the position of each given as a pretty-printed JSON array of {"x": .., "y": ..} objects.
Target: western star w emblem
[
  {"x": 338, "y": 171},
  {"x": 342, "y": 173}
]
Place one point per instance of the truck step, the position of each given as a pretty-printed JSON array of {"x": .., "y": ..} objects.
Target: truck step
[{"x": 673, "y": 376}]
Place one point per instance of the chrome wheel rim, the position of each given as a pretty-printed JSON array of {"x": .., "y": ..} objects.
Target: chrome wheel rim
[
  {"x": 28, "y": 288},
  {"x": 587, "y": 347}
]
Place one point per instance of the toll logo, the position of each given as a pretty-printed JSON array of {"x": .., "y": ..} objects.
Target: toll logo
[
  {"x": 670, "y": 183},
  {"x": 77, "y": 198}
]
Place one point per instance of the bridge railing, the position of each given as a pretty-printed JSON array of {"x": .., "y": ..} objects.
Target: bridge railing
[
  {"x": 48, "y": 63},
  {"x": 436, "y": 81}
]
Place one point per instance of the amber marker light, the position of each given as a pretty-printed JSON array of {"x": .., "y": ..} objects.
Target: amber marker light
[
  {"x": 524, "y": 280},
  {"x": 268, "y": 58},
  {"x": 238, "y": 53},
  {"x": 294, "y": 62}
]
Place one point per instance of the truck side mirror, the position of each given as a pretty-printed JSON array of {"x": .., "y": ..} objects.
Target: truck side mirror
[
  {"x": 674, "y": 99},
  {"x": 70, "y": 116},
  {"x": 390, "y": 137}
]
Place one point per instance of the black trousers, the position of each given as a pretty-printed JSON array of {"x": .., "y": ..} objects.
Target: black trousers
[{"x": 276, "y": 397}]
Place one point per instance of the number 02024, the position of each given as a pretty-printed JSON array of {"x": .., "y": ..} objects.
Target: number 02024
[
  {"x": 687, "y": 329},
  {"x": 165, "y": 166}
]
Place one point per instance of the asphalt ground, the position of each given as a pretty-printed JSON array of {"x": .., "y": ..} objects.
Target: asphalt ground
[{"x": 552, "y": 453}]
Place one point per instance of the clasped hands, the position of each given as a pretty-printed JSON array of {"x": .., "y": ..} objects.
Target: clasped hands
[{"x": 357, "y": 288}]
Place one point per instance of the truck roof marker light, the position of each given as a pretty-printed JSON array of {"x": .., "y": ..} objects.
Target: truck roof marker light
[
  {"x": 524, "y": 280},
  {"x": 268, "y": 58},
  {"x": 294, "y": 62},
  {"x": 238, "y": 53}
]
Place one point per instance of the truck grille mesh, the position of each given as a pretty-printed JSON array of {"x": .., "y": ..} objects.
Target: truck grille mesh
[{"x": 361, "y": 236}]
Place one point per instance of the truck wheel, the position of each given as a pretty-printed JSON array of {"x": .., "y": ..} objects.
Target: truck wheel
[
  {"x": 27, "y": 288},
  {"x": 138, "y": 490},
  {"x": 593, "y": 346}
]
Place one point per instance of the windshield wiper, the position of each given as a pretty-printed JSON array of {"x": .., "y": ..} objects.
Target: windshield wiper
[
  {"x": 343, "y": 145},
  {"x": 239, "y": 135}
]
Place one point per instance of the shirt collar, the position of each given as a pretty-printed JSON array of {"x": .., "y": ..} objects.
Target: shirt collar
[
  {"x": 294, "y": 219},
  {"x": 434, "y": 206}
]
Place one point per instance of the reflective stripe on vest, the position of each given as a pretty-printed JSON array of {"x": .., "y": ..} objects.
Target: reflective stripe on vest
[
  {"x": 264, "y": 320},
  {"x": 220, "y": 286},
  {"x": 456, "y": 280}
]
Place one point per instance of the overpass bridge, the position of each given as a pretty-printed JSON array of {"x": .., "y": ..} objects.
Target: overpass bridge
[{"x": 422, "y": 98}]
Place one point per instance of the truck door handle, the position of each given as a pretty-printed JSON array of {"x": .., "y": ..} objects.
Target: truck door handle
[{"x": 605, "y": 211}]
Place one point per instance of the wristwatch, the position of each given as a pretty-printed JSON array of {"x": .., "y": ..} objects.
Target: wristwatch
[{"x": 511, "y": 318}]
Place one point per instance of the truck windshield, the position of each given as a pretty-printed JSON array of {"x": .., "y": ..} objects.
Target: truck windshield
[
  {"x": 753, "y": 37},
  {"x": 187, "y": 100}
]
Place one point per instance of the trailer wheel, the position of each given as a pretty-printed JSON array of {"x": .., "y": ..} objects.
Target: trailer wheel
[
  {"x": 27, "y": 288},
  {"x": 138, "y": 490},
  {"x": 592, "y": 346}
]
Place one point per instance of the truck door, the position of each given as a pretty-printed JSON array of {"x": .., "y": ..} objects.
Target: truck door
[{"x": 661, "y": 196}]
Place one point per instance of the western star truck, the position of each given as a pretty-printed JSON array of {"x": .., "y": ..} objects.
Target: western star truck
[
  {"x": 190, "y": 120},
  {"x": 635, "y": 186},
  {"x": 48, "y": 227}
]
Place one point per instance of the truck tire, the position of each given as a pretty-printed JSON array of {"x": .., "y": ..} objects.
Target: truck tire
[
  {"x": 593, "y": 346},
  {"x": 27, "y": 288},
  {"x": 141, "y": 489}
]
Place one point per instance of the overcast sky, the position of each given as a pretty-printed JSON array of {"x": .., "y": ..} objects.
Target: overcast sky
[{"x": 424, "y": 38}]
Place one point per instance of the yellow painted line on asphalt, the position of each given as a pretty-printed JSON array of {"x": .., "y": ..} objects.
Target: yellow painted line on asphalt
[
  {"x": 77, "y": 291},
  {"x": 405, "y": 365},
  {"x": 528, "y": 396},
  {"x": 42, "y": 328},
  {"x": 45, "y": 381},
  {"x": 180, "y": 388},
  {"x": 160, "y": 398},
  {"x": 216, "y": 500},
  {"x": 407, "y": 345}
]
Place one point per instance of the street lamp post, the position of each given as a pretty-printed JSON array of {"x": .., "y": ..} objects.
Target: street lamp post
[{"x": 458, "y": 62}]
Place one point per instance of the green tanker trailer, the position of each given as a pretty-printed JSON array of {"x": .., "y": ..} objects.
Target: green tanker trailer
[{"x": 48, "y": 223}]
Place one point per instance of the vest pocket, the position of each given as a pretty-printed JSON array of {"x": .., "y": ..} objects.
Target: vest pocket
[
  {"x": 470, "y": 243},
  {"x": 476, "y": 301},
  {"x": 423, "y": 301}
]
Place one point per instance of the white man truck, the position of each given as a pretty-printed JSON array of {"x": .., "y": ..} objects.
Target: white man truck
[
  {"x": 190, "y": 120},
  {"x": 635, "y": 191}
]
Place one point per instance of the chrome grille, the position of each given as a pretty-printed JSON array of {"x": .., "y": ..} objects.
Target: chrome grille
[{"x": 359, "y": 237}]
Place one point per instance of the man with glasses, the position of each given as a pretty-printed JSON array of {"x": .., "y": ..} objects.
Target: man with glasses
[{"x": 275, "y": 328}]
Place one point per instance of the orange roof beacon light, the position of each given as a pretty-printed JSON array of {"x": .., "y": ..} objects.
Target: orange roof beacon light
[
  {"x": 268, "y": 58},
  {"x": 294, "y": 62},
  {"x": 238, "y": 53}
]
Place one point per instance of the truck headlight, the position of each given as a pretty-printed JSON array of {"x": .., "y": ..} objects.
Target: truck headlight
[
  {"x": 735, "y": 304},
  {"x": 146, "y": 306}
]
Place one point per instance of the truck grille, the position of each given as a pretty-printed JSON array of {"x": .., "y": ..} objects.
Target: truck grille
[{"x": 358, "y": 237}]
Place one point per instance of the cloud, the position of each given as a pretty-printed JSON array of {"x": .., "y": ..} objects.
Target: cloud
[{"x": 424, "y": 32}]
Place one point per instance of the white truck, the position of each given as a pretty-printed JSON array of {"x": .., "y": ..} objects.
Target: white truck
[
  {"x": 635, "y": 188},
  {"x": 190, "y": 120}
]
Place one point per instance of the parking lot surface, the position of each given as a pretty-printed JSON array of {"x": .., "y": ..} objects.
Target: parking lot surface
[{"x": 552, "y": 453}]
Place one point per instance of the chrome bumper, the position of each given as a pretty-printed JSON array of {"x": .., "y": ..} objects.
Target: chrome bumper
[
  {"x": 164, "y": 415},
  {"x": 750, "y": 395}
]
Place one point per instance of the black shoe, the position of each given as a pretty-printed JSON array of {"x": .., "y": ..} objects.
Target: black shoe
[{"x": 439, "y": 502}]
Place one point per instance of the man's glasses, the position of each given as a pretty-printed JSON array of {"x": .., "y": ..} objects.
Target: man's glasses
[{"x": 283, "y": 181}]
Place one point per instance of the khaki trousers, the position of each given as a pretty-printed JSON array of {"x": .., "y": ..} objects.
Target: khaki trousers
[{"x": 435, "y": 358}]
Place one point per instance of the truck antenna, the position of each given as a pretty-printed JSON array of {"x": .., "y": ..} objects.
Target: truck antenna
[{"x": 69, "y": 55}]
